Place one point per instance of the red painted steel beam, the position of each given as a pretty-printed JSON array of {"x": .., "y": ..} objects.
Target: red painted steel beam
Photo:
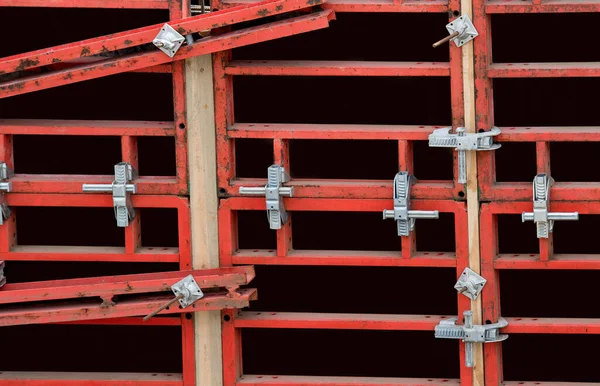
[
  {"x": 145, "y": 35},
  {"x": 171, "y": 320},
  {"x": 387, "y": 6},
  {"x": 557, "y": 261},
  {"x": 301, "y": 320},
  {"x": 120, "y": 4},
  {"x": 336, "y": 68},
  {"x": 550, "y": 134},
  {"x": 291, "y": 380},
  {"x": 544, "y": 70},
  {"x": 36, "y": 378},
  {"x": 91, "y": 254},
  {"x": 530, "y": 383},
  {"x": 551, "y": 326},
  {"x": 107, "y": 286},
  {"x": 160, "y": 69},
  {"x": 137, "y": 61},
  {"x": 88, "y": 310},
  {"x": 81, "y": 127},
  {"x": 345, "y": 258},
  {"x": 545, "y": 6}
]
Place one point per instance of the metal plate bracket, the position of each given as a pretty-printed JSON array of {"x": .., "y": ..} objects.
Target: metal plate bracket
[
  {"x": 121, "y": 189},
  {"x": 189, "y": 289},
  {"x": 462, "y": 142},
  {"x": 274, "y": 193},
  {"x": 541, "y": 216},
  {"x": 5, "y": 187},
  {"x": 469, "y": 333},
  {"x": 168, "y": 40},
  {"x": 405, "y": 218},
  {"x": 465, "y": 29},
  {"x": 470, "y": 283}
]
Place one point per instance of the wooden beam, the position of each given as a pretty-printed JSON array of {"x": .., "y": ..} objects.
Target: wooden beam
[
  {"x": 468, "y": 72},
  {"x": 203, "y": 209}
]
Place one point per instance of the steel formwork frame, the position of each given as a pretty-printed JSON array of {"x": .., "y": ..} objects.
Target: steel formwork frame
[
  {"x": 66, "y": 190},
  {"x": 334, "y": 195},
  {"x": 517, "y": 197}
]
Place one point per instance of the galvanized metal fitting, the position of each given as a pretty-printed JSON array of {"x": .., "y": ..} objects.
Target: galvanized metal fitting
[
  {"x": 187, "y": 290},
  {"x": 2, "y": 277},
  {"x": 462, "y": 142},
  {"x": 168, "y": 40},
  {"x": 5, "y": 187},
  {"x": 121, "y": 189},
  {"x": 544, "y": 219},
  {"x": 469, "y": 333},
  {"x": 470, "y": 284},
  {"x": 273, "y": 191},
  {"x": 461, "y": 31},
  {"x": 405, "y": 218}
]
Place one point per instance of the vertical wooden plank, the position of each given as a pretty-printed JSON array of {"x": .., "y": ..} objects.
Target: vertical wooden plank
[
  {"x": 468, "y": 78},
  {"x": 201, "y": 140},
  {"x": 543, "y": 166}
]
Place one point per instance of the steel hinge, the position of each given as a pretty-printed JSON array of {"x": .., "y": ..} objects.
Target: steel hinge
[
  {"x": 543, "y": 219},
  {"x": 462, "y": 142},
  {"x": 168, "y": 40},
  {"x": 469, "y": 333},
  {"x": 5, "y": 187},
  {"x": 405, "y": 218},
  {"x": 273, "y": 191},
  {"x": 121, "y": 189}
]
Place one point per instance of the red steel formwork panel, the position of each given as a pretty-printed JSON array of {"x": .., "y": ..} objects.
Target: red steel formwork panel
[
  {"x": 66, "y": 191},
  {"x": 334, "y": 195},
  {"x": 514, "y": 198}
]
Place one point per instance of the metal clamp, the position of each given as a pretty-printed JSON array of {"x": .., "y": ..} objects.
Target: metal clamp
[
  {"x": 462, "y": 142},
  {"x": 2, "y": 277},
  {"x": 186, "y": 291},
  {"x": 121, "y": 189},
  {"x": 5, "y": 186},
  {"x": 274, "y": 192},
  {"x": 168, "y": 40},
  {"x": 469, "y": 333},
  {"x": 543, "y": 219},
  {"x": 405, "y": 218},
  {"x": 470, "y": 283},
  {"x": 461, "y": 31}
]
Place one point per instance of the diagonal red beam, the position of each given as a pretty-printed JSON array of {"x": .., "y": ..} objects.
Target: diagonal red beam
[
  {"x": 87, "y": 310},
  {"x": 108, "y": 286},
  {"x": 144, "y": 35},
  {"x": 137, "y": 61}
]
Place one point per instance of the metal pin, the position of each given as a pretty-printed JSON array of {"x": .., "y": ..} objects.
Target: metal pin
[
  {"x": 166, "y": 305},
  {"x": 444, "y": 40}
]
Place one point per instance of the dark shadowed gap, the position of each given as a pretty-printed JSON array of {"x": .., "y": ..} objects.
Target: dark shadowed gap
[
  {"x": 156, "y": 156},
  {"x": 572, "y": 161},
  {"x": 347, "y": 39},
  {"x": 63, "y": 154},
  {"x": 159, "y": 227},
  {"x": 437, "y": 235},
  {"x": 432, "y": 163},
  {"x": 370, "y": 290},
  {"x": 533, "y": 45},
  {"x": 76, "y": 226},
  {"x": 577, "y": 236},
  {"x": 515, "y": 236},
  {"x": 535, "y": 293},
  {"x": 550, "y": 358},
  {"x": 254, "y": 231},
  {"x": 344, "y": 159},
  {"x": 546, "y": 102},
  {"x": 83, "y": 348},
  {"x": 253, "y": 157},
  {"x": 128, "y": 96},
  {"x": 26, "y": 271},
  {"x": 342, "y": 100},
  {"x": 516, "y": 162},
  {"x": 357, "y": 353}
]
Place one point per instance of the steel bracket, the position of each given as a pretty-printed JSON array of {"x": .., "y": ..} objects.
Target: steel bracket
[
  {"x": 544, "y": 219},
  {"x": 2, "y": 278},
  {"x": 465, "y": 29},
  {"x": 469, "y": 333},
  {"x": 5, "y": 186},
  {"x": 463, "y": 142},
  {"x": 274, "y": 193},
  {"x": 470, "y": 283},
  {"x": 405, "y": 218},
  {"x": 121, "y": 189},
  {"x": 168, "y": 40},
  {"x": 189, "y": 289}
]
